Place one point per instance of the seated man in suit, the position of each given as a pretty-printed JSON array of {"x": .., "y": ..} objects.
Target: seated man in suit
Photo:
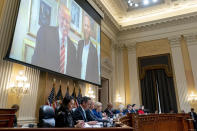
[
  {"x": 80, "y": 112},
  {"x": 87, "y": 56},
  {"x": 89, "y": 113},
  {"x": 194, "y": 117},
  {"x": 54, "y": 49},
  {"x": 128, "y": 110},
  {"x": 133, "y": 110},
  {"x": 109, "y": 111}
]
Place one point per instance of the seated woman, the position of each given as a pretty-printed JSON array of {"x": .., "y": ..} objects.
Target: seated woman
[
  {"x": 64, "y": 114},
  {"x": 97, "y": 111},
  {"x": 141, "y": 110},
  {"x": 120, "y": 111}
]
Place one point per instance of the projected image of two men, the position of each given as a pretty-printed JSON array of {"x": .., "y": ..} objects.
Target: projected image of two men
[{"x": 60, "y": 36}]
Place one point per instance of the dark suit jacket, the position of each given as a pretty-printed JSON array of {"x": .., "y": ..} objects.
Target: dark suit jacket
[
  {"x": 64, "y": 118},
  {"x": 133, "y": 111},
  {"x": 195, "y": 115},
  {"x": 47, "y": 51},
  {"x": 109, "y": 113},
  {"x": 126, "y": 111},
  {"x": 79, "y": 115},
  {"x": 92, "y": 74}
]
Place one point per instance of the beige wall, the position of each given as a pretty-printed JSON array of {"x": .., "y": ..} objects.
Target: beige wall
[{"x": 105, "y": 47}]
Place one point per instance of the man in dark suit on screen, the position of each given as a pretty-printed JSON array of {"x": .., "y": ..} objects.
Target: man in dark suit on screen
[
  {"x": 54, "y": 49},
  {"x": 87, "y": 55}
]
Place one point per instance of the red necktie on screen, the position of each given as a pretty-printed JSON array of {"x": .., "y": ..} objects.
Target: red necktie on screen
[{"x": 62, "y": 57}]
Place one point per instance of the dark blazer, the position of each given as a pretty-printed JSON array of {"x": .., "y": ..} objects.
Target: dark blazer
[
  {"x": 64, "y": 118},
  {"x": 194, "y": 114},
  {"x": 47, "y": 51},
  {"x": 133, "y": 111},
  {"x": 126, "y": 111},
  {"x": 92, "y": 74},
  {"x": 109, "y": 113},
  {"x": 79, "y": 115}
]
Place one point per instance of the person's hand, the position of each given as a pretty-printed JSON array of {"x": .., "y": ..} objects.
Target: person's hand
[
  {"x": 80, "y": 124},
  {"x": 80, "y": 121},
  {"x": 105, "y": 118},
  {"x": 104, "y": 114},
  {"x": 92, "y": 122}
]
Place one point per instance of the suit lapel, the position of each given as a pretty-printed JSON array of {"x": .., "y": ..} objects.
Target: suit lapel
[{"x": 81, "y": 110}]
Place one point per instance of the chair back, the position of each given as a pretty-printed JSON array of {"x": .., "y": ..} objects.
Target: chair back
[{"x": 46, "y": 116}]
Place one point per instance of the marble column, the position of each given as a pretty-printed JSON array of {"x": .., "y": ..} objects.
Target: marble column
[
  {"x": 192, "y": 48},
  {"x": 180, "y": 78},
  {"x": 135, "y": 90},
  {"x": 119, "y": 85}
]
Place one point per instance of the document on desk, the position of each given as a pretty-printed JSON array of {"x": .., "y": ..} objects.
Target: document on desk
[{"x": 97, "y": 125}]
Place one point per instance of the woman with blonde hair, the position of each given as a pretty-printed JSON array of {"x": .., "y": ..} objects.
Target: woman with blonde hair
[{"x": 97, "y": 111}]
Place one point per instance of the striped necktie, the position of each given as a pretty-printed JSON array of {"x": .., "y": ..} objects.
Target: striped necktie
[{"x": 62, "y": 57}]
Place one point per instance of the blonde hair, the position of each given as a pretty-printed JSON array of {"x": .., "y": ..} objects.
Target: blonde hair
[
  {"x": 121, "y": 107},
  {"x": 97, "y": 104},
  {"x": 63, "y": 7}
]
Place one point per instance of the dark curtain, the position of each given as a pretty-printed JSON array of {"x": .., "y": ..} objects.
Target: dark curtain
[
  {"x": 157, "y": 79},
  {"x": 166, "y": 91},
  {"x": 149, "y": 94}
]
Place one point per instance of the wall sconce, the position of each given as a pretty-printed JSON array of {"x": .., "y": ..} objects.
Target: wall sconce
[
  {"x": 19, "y": 86},
  {"x": 192, "y": 97},
  {"x": 91, "y": 93},
  {"x": 119, "y": 98}
]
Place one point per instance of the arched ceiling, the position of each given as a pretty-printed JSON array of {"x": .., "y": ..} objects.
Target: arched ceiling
[{"x": 124, "y": 16}]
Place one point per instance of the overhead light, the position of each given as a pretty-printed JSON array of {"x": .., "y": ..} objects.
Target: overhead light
[
  {"x": 155, "y": 1},
  {"x": 136, "y": 5},
  {"x": 129, "y": 1},
  {"x": 131, "y": 4},
  {"x": 146, "y": 2}
]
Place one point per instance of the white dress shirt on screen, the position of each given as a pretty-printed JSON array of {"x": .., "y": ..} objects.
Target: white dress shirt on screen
[{"x": 84, "y": 60}]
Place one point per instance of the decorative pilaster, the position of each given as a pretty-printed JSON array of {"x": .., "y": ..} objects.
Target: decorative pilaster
[
  {"x": 27, "y": 114},
  {"x": 7, "y": 23}
]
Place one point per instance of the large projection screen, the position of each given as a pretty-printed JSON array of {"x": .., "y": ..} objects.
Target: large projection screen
[{"x": 59, "y": 36}]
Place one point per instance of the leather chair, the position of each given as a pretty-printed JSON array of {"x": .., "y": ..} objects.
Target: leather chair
[{"x": 46, "y": 116}]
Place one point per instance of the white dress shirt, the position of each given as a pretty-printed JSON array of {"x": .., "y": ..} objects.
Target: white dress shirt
[
  {"x": 84, "y": 59},
  {"x": 65, "y": 46},
  {"x": 84, "y": 112}
]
